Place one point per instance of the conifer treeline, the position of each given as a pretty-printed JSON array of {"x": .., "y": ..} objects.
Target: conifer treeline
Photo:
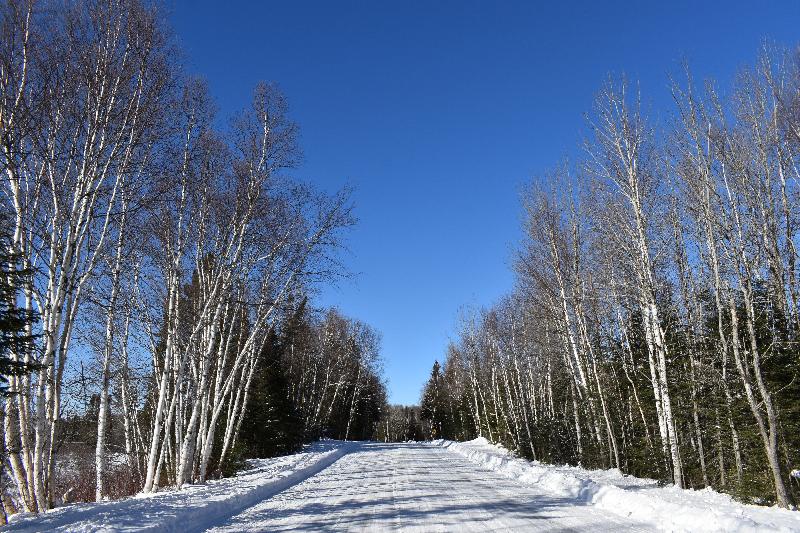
[{"x": 655, "y": 320}]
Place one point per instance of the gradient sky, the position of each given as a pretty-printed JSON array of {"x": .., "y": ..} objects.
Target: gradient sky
[{"x": 438, "y": 113}]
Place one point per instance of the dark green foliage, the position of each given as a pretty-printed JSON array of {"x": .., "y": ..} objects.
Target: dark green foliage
[
  {"x": 16, "y": 337},
  {"x": 433, "y": 408},
  {"x": 272, "y": 425},
  {"x": 314, "y": 379}
]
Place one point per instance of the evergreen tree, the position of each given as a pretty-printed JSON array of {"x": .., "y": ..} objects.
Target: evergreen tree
[
  {"x": 433, "y": 407},
  {"x": 15, "y": 336},
  {"x": 272, "y": 425}
]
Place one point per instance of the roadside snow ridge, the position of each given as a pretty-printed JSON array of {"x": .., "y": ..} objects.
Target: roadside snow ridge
[{"x": 665, "y": 508}]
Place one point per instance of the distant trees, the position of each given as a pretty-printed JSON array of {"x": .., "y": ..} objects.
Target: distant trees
[
  {"x": 654, "y": 324},
  {"x": 431, "y": 406},
  {"x": 401, "y": 423},
  {"x": 442, "y": 405},
  {"x": 335, "y": 374},
  {"x": 319, "y": 377},
  {"x": 168, "y": 250}
]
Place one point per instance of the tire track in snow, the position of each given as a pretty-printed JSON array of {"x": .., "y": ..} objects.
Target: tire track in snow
[{"x": 415, "y": 488}]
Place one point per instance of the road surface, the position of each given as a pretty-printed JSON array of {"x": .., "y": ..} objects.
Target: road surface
[{"x": 417, "y": 488}]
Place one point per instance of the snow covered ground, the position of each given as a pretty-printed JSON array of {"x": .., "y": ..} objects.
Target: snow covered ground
[
  {"x": 417, "y": 488},
  {"x": 194, "y": 508},
  {"x": 642, "y": 500},
  {"x": 440, "y": 486}
]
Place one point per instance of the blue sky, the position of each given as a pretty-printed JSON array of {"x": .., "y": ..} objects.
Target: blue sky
[{"x": 439, "y": 112}]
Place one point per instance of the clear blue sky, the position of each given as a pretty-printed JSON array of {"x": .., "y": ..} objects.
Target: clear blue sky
[{"x": 438, "y": 112}]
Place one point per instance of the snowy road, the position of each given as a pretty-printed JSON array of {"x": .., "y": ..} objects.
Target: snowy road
[
  {"x": 416, "y": 487},
  {"x": 423, "y": 487}
]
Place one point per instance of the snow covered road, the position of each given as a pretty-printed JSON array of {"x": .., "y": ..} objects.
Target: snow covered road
[{"x": 416, "y": 487}]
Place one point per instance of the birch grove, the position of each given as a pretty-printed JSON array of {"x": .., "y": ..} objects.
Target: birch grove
[
  {"x": 654, "y": 322},
  {"x": 81, "y": 92},
  {"x": 163, "y": 251}
]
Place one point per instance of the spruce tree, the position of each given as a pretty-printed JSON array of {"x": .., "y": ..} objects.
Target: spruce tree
[
  {"x": 433, "y": 406},
  {"x": 15, "y": 337},
  {"x": 272, "y": 425}
]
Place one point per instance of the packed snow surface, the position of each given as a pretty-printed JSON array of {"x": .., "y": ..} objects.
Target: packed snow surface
[
  {"x": 642, "y": 500},
  {"x": 424, "y": 487}
]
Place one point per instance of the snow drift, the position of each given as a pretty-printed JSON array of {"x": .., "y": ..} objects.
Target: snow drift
[
  {"x": 666, "y": 508},
  {"x": 193, "y": 508}
]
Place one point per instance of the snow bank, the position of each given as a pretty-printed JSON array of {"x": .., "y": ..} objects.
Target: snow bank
[
  {"x": 666, "y": 508},
  {"x": 195, "y": 507}
]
